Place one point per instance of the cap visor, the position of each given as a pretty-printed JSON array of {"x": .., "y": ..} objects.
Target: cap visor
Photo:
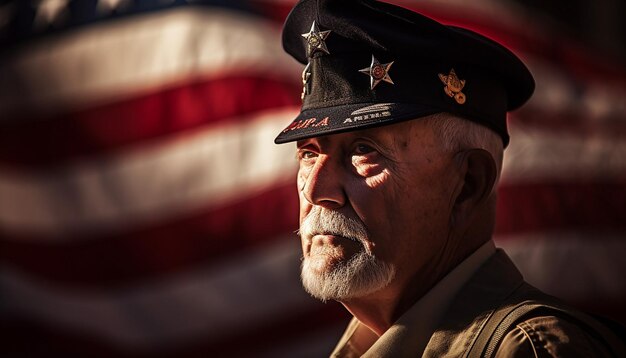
[{"x": 351, "y": 117}]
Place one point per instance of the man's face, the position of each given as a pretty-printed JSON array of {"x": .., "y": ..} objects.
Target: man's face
[{"x": 375, "y": 209}]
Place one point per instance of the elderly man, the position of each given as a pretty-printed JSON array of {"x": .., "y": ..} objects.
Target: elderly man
[{"x": 400, "y": 143}]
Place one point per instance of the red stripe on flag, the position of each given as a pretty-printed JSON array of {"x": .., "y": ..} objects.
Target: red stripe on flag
[
  {"x": 595, "y": 206},
  {"x": 158, "y": 250},
  {"x": 115, "y": 126}
]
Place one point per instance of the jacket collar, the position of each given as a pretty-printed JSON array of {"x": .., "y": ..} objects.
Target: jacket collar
[
  {"x": 490, "y": 284},
  {"x": 488, "y": 288}
]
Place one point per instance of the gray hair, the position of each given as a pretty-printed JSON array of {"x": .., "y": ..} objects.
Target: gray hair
[{"x": 456, "y": 134}]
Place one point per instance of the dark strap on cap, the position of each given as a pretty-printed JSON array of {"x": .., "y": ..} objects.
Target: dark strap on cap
[{"x": 500, "y": 322}]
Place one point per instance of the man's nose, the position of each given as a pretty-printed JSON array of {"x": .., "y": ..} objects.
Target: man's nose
[{"x": 323, "y": 186}]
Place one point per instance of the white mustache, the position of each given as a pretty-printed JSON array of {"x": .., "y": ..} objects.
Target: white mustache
[{"x": 322, "y": 221}]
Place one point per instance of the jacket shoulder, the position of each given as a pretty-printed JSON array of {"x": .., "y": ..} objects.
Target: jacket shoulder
[{"x": 550, "y": 336}]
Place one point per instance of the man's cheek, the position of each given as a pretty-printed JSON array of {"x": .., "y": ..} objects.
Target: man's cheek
[
  {"x": 305, "y": 208},
  {"x": 301, "y": 178}
]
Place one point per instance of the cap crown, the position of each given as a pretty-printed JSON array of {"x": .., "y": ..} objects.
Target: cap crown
[{"x": 360, "y": 53}]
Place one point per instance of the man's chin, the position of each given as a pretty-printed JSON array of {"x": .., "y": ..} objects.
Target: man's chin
[
  {"x": 320, "y": 264},
  {"x": 329, "y": 278}
]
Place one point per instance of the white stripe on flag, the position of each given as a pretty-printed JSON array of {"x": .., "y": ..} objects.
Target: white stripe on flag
[
  {"x": 261, "y": 286},
  {"x": 542, "y": 154},
  {"x": 558, "y": 91},
  {"x": 162, "y": 179},
  {"x": 571, "y": 265},
  {"x": 112, "y": 60}
]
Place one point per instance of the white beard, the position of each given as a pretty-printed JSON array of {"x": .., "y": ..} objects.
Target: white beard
[{"x": 360, "y": 275}]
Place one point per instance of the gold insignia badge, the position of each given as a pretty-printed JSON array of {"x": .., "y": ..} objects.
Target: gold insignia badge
[
  {"x": 453, "y": 87},
  {"x": 315, "y": 40},
  {"x": 377, "y": 72}
]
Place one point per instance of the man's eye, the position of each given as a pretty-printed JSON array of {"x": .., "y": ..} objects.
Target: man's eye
[
  {"x": 363, "y": 149},
  {"x": 307, "y": 154}
]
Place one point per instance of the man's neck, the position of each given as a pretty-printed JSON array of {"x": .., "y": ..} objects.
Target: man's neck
[
  {"x": 381, "y": 309},
  {"x": 377, "y": 314}
]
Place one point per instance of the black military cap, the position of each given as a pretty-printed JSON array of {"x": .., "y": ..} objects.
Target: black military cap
[{"x": 370, "y": 63}]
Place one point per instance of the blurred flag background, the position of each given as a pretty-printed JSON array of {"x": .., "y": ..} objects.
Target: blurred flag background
[{"x": 146, "y": 212}]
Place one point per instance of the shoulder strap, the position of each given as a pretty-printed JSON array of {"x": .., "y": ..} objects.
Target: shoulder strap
[
  {"x": 496, "y": 325},
  {"x": 500, "y": 322}
]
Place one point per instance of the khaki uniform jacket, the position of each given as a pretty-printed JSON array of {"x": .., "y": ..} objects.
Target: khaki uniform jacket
[{"x": 495, "y": 284}]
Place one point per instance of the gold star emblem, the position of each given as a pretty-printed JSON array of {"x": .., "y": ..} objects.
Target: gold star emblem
[
  {"x": 377, "y": 72},
  {"x": 315, "y": 40},
  {"x": 453, "y": 87}
]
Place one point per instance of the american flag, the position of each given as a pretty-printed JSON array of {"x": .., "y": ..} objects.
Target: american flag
[{"x": 146, "y": 212}]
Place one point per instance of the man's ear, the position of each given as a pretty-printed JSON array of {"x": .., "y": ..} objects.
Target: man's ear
[{"x": 478, "y": 174}]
